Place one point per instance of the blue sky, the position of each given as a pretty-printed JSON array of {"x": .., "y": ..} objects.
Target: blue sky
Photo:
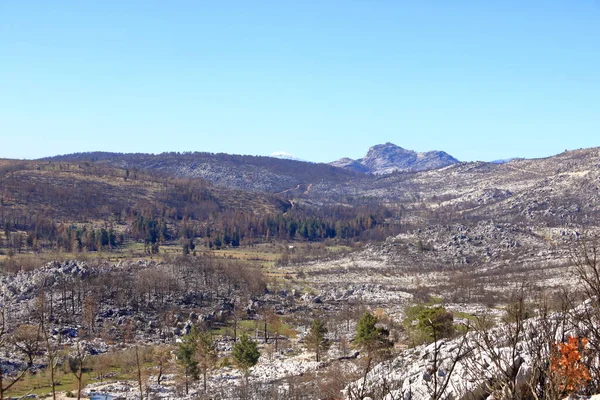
[{"x": 482, "y": 80}]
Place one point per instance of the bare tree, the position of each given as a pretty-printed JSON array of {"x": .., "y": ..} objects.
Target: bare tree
[
  {"x": 206, "y": 354},
  {"x": 496, "y": 368},
  {"x": 161, "y": 356},
  {"x": 7, "y": 381},
  {"x": 276, "y": 326},
  {"x": 585, "y": 255},
  {"x": 76, "y": 364},
  {"x": 138, "y": 365},
  {"x": 437, "y": 386},
  {"x": 26, "y": 339},
  {"x": 238, "y": 314},
  {"x": 50, "y": 347},
  {"x": 544, "y": 382}
]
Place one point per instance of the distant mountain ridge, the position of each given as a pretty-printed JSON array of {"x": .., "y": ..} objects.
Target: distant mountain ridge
[
  {"x": 244, "y": 172},
  {"x": 386, "y": 158},
  {"x": 283, "y": 155},
  {"x": 559, "y": 189},
  {"x": 274, "y": 174}
]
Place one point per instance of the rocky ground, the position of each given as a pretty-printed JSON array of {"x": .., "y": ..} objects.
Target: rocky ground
[{"x": 470, "y": 269}]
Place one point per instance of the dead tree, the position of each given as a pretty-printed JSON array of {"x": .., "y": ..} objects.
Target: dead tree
[
  {"x": 76, "y": 364},
  {"x": 26, "y": 339}
]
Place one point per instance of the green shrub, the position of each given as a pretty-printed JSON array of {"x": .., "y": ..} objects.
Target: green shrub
[{"x": 426, "y": 324}]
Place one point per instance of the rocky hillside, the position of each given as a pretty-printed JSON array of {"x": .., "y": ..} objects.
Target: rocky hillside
[
  {"x": 387, "y": 158},
  {"x": 508, "y": 361},
  {"x": 556, "y": 190},
  {"x": 249, "y": 173}
]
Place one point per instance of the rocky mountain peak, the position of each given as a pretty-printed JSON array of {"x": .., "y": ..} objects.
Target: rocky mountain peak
[{"x": 388, "y": 157}]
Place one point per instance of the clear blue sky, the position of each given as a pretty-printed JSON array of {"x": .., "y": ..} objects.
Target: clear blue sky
[{"x": 481, "y": 80}]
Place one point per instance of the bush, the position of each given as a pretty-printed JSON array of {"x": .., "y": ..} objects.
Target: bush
[{"x": 425, "y": 324}]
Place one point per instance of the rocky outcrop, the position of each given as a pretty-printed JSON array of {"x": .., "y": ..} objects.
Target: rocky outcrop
[
  {"x": 387, "y": 158},
  {"x": 350, "y": 164},
  {"x": 498, "y": 363}
]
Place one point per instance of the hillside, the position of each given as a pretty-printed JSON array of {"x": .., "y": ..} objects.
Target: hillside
[
  {"x": 553, "y": 191},
  {"x": 80, "y": 191},
  {"x": 466, "y": 241},
  {"x": 556, "y": 190},
  {"x": 251, "y": 173},
  {"x": 91, "y": 205}
]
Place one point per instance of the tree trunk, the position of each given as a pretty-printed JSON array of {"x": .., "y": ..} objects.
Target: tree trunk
[
  {"x": 73, "y": 302},
  {"x": 52, "y": 367},
  {"x": 365, "y": 376},
  {"x": 139, "y": 372},
  {"x": 79, "y": 381},
  {"x": 266, "y": 337},
  {"x": 51, "y": 305},
  {"x": 186, "y": 384}
]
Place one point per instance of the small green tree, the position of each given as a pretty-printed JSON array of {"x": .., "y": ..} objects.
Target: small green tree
[
  {"x": 436, "y": 322},
  {"x": 315, "y": 340},
  {"x": 186, "y": 357},
  {"x": 369, "y": 337},
  {"x": 206, "y": 354},
  {"x": 245, "y": 354},
  {"x": 372, "y": 339},
  {"x": 426, "y": 324}
]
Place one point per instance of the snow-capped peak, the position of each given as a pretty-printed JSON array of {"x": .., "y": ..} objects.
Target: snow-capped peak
[{"x": 284, "y": 155}]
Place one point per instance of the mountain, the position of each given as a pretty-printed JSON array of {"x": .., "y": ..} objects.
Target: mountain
[
  {"x": 558, "y": 189},
  {"x": 387, "y": 158},
  {"x": 283, "y": 155},
  {"x": 473, "y": 234},
  {"x": 350, "y": 164},
  {"x": 242, "y": 172},
  {"x": 92, "y": 192},
  {"x": 505, "y": 160}
]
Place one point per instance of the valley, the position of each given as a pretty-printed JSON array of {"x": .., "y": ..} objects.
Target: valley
[{"x": 113, "y": 263}]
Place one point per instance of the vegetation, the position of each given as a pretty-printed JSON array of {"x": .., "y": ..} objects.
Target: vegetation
[
  {"x": 568, "y": 364},
  {"x": 426, "y": 323},
  {"x": 186, "y": 357},
  {"x": 222, "y": 261},
  {"x": 245, "y": 354},
  {"x": 369, "y": 336},
  {"x": 104, "y": 211},
  {"x": 315, "y": 340}
]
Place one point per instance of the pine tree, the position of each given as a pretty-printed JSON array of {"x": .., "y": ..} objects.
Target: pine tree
[
  {"x": 368, "y": 335},
  {"x": 206, "y": 354},
  {"x": 370, "y": 338},
  {"x": 245, "y": 354},
  {"x": 315, "y": 340},
  {"x": 186, "y": 357}
]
